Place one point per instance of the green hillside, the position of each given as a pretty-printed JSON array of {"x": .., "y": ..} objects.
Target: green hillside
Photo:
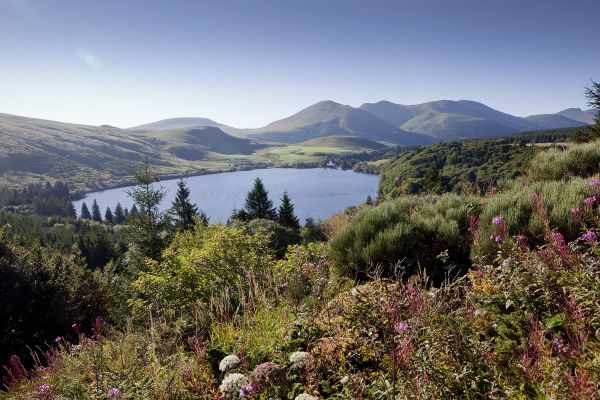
[{"x": 349, "y": 143}]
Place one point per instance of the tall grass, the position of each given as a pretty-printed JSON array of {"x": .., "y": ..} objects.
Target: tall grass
[{"x": 581, "y": 160}]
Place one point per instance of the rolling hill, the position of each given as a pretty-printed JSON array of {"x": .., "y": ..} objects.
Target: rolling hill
[
  {"x": 328, "y": 118},
  {"x": 195, "y": 143},
  {"x": 349, "y": 143},
  {"x": 578, "y": 114},
  {"x": 554, "y": 121}
]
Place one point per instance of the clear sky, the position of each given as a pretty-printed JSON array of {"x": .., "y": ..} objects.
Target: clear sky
[{"x": 246, "y": 63}]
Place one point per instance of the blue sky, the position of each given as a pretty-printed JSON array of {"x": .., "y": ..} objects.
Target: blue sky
[{"x": 246, "y": 63}]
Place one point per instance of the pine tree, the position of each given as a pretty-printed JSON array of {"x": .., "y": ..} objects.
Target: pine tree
[
  {"x": 591, "y": 132},
  {"x": 286, "y": 216},
  {"x": 119, "y": 216},
  {"x": 108, "y": 216},
  {"x": 147, "y": 227},
  {"x": 96, "y": 216},
  {"x": 432, "y": 181},
  {"x": 85, "y": 212},
  {"x": 133, "y": 210},
  {"x": 258, "y": 204},
  {"x": 183, "y": 209}
]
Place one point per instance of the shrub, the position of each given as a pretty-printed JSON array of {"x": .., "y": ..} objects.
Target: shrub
[
  {"x": 419, "y": 232},
  {"x": 202, "y": 266},
  {"x": 578, "y": 161}
]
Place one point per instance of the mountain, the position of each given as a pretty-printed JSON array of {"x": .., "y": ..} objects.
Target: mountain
[
  {"x": 578, "y": 114},
  {"x": 448, "y": 119},
  {"x": 552, "y": 121},
  {"x": 194, "y": 143},
  {"x": 328, "y": 118},
  {"x": 172, "y": 123}
]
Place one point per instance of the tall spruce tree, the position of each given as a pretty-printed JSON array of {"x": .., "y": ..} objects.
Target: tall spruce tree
[
  {"x": 108, "y": 216},
  {"x": 119, "y": 217},
  {"x": 133, "y": 210},
  {"x": 96, "y": 216},
  {"x": 286, "y": 216},
  {"x": 590, "y": 132},
  {"x": 85, "y": 212},
  {"x": 258, "y": 204},
  {"x": 182, "y": 209},
  {"x": 147, "y": 227}
]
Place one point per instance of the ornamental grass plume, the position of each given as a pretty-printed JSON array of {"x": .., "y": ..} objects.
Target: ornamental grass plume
[
  {"x": 229, "y": 362},
  {"x": 232, "y": 385}
]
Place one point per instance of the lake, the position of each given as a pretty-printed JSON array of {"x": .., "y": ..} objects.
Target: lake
[{"x": 316, "y": 192}]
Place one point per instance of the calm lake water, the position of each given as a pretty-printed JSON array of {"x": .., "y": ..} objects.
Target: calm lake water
[{"x": 315, "y": 192}]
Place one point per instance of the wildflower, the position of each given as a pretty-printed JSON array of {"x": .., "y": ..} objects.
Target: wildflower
[
  {"x": 265, "y": 374},
  {"x": 300, "y": 359},
  {"x": 594, "y": 182},
  {"x": 397, "y": 181},
  {"x": 232, "y": 384},
  {"x": 344, "y": 380},
  {"x": 497, "y": 238},
  {"x": 559, "y": 345},
  {"x": 58, "y": 340},
  {"x": 229, "y": 362},
  {"x": 305, "y": 396},
  {"x": 589, "y": 201},
  {"x": 114, "y": 393},
  {"x": 247, "y": 389},
  {"x": 354, "y": 292},
  {"x": 42, "y": 369},
  {"x": 498, "y": 220},
  {"x": 590, "y": 236},
  {"x": 521, "y": 240},
  {"x": 575, "y": 211},
  {"x": 401, "y": 327},
  {"x": 42, "y": 390}
]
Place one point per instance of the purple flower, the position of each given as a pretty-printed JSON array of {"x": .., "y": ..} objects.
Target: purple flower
[
  {"x": 42, "y": 369},
  {"x": 576, "y": 211},
  {"x": 113, "y": 393},
  {"x": 497, "y": 220},
  {"x": 58, "y": 340},
  {"x": 42, "y": 390},
  {"x": 559, "y": 345},
  {"x": 590, "y": 236},
  {"x": 589, "y": 201},
  {"x": 401, "y": 327},
  {"x": 397, "y": 181},
  {"x": 246, "y": 389},
  {"x": 594, "y": 182},
  {"x": 498, "y": 239}
]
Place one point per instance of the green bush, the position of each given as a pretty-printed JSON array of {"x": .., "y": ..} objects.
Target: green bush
[
  {"x": 581, "y": 160},
  {"x": 420, "y": 232},
  {"x": 204, "y": 264}
]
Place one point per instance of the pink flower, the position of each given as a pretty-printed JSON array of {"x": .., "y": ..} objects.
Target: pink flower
[
  {"x": 594, "y": 182},
  {"x": 575, "y": 211},
  {"x": 401, "y": 327},
  {"x": 497, "y": 220},
  {"x": 590, "y": 236},
  {"x": 58, "y": 340},
  {"x": 42, "y": 390},
  {"x": 246, "y": 389},
  {"x": 589, "y": 201},
  {"x": 496, "y": 238},
  {"x": 397, "y": 181},
  {"x": 114, "y": 393}
]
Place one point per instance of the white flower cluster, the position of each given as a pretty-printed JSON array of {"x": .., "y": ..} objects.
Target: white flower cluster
[
  {"x": 232, "y": 384},
  {"x": 300, "y": 359},
  {"x": 229, "y": 362},
  {"x": 305, "y": 396}
]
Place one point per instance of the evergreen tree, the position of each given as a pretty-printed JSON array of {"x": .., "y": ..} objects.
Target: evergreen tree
[
  {"x": 286, "y": 216},
  {"x": 258, "y": 204},
  {"x": 85, "y": 212},
  {"x": 70, "y": 210},
  {"x": 369, "y": 200},
  {"x": 134, "y": 210},
  {"x": 147, "y": 227},
  {"x": 183, "y": 209},
  {"x": 96, "y": 216},
  {"x": 125, "y": 213},
  {"x": 108, "y": 216},
  {"x": 119, "y": 216}
]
